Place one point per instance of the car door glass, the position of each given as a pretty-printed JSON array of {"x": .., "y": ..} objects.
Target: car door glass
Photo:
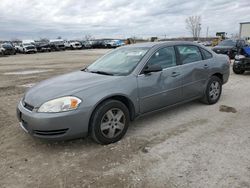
[
  {"x": 206, "y": 54},
  {"x": 165, "y": 57},
  {"x": 189, "y": 54}
]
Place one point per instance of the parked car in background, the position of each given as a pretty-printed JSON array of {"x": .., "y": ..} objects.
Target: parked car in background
[
  {"x": 42, "y": 46},
  {"x": 101, "y": 99},
  {"x": 86, "y": 44},
  {"x": 1, "y": 50},
  {"x": 73, "y": 45},
  {"x": 207, "y": 43},
  {"x": 26, "y": 48},
  {"x": 9, "y": 49},
  {"x": 228, "y": 47},
  {"x": 98, "y": 43},
  {"x": 57, "y": 45},
  {"x": 197, "y": 41},
  {"x": 67, "y": 44},
  {"x": 113, "y": 43},
  {"x": 242, "y": 60}
]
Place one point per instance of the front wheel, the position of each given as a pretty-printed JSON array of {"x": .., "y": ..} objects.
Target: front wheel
[
  {"x": 109, "y": 122},
  {"x": 237, "y": 70},
  {"x": 213, "y": 90}
]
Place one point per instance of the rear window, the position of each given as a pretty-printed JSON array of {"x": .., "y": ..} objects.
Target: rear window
[
  {"x": 189, "y": 54},
  {"x": 206, "y": 54}
]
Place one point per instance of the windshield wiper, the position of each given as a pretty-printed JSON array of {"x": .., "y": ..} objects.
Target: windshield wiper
[
  {"x": 102, "y": 72},
  {"x": 97, "y": 72}
]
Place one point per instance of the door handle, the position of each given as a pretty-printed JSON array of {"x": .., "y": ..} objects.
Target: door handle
[
  {"x": 174, "y": 74},
  {"x": 206, "y": 66}
]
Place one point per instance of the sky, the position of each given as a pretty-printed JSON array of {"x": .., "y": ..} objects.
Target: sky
[{"x": 73, "y": 19}]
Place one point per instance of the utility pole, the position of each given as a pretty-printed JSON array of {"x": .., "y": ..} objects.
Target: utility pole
[
  {"x": 207, "y": 32},
  {"x": 199, "y": 31}
]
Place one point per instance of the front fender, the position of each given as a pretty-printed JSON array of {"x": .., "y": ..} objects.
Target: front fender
[{"x": 123, "y": 87}]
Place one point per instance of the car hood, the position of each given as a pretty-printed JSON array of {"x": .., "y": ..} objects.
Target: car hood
[
  {"x": 8, "y": 47},
  {"x": 223, "y": 47},
  {"x": 63, "y": 85},
  {"x": 27, "y": 46}
]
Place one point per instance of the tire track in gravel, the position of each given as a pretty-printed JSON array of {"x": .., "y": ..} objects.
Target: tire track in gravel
[
  {"x": 11, "y": 90},
  {"x": 112, "y": 156}
]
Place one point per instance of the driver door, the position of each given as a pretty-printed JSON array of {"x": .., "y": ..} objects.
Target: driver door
[{"x": 163, "y": 88}]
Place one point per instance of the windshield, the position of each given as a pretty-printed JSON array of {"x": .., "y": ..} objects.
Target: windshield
[
  {"x": 227, "y": 43},
  {"x": 27, "y": 44},
  {"x": 118, "y": 62},
  {"x": 6, "y": 45}
]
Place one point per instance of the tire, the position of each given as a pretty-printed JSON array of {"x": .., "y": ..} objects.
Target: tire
[
  {"x": 237, "y": 70},
  {"x": 109, "y": 122},
  {"x": 213, "y": 91}
]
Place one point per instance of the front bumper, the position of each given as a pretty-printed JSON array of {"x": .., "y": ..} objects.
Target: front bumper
[
  {"x": 43, "y": 49},
  {"x": 54, "y": 126},
  {"x": 243, "y": 64},
  {"x": 77, "y": 47},
  {"x": 30, "y": 50}
]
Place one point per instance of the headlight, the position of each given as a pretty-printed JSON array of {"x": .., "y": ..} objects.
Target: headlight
[
  {"x": 60, "y": 105},
  {"x": 238, "y": 57}
]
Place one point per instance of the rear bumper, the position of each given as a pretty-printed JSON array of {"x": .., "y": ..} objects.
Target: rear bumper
[
  {"x": 226, "y": 73},
  {"x": 226, "y": 77},
  {"x": 54, "y": 126}
]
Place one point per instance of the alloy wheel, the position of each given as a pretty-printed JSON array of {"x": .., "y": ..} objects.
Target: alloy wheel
[
  {"x": 112, "y": 123},
  {"x": 214, "y": 90}
]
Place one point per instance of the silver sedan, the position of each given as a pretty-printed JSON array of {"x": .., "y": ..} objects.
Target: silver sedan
[{"x": 103, "y": 98}]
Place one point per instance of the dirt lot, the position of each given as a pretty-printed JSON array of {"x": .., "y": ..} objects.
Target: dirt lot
[{"x": 193, "y": 145}]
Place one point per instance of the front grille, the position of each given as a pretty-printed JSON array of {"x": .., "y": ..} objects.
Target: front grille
[
  {"x": 28, "y": 106},
  {"x": 30, "y": 48},
  {"x": 50, "y": 133}
]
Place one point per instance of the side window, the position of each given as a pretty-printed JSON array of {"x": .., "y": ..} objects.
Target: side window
[
  {"x": 189, "y": 54},
  {"x": 164, "y": 57},
  {"x": 206, "y": 54}
]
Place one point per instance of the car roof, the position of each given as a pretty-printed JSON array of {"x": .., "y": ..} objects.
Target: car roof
[{"x": 153, "y": 44}]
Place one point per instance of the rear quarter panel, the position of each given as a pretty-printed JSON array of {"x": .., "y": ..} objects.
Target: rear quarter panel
[{"x": 220, "y": 64}]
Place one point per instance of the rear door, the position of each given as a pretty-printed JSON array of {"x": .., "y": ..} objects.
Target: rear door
[
  {"x": 195, "y": 71},
  {"x": 160, "y": 89}
]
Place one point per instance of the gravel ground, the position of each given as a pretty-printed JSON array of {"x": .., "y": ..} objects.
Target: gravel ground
[{"x": 192, "y": 145}]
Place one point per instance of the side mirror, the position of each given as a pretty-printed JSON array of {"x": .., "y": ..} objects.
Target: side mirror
[{"x": 152, "y": 68}]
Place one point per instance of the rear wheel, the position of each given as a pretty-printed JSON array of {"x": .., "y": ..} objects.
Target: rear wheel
[
  {"x": 213, "y": 90},
  {"x": 109, "y": 122},
  {"x": 237, "y": 70}
]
